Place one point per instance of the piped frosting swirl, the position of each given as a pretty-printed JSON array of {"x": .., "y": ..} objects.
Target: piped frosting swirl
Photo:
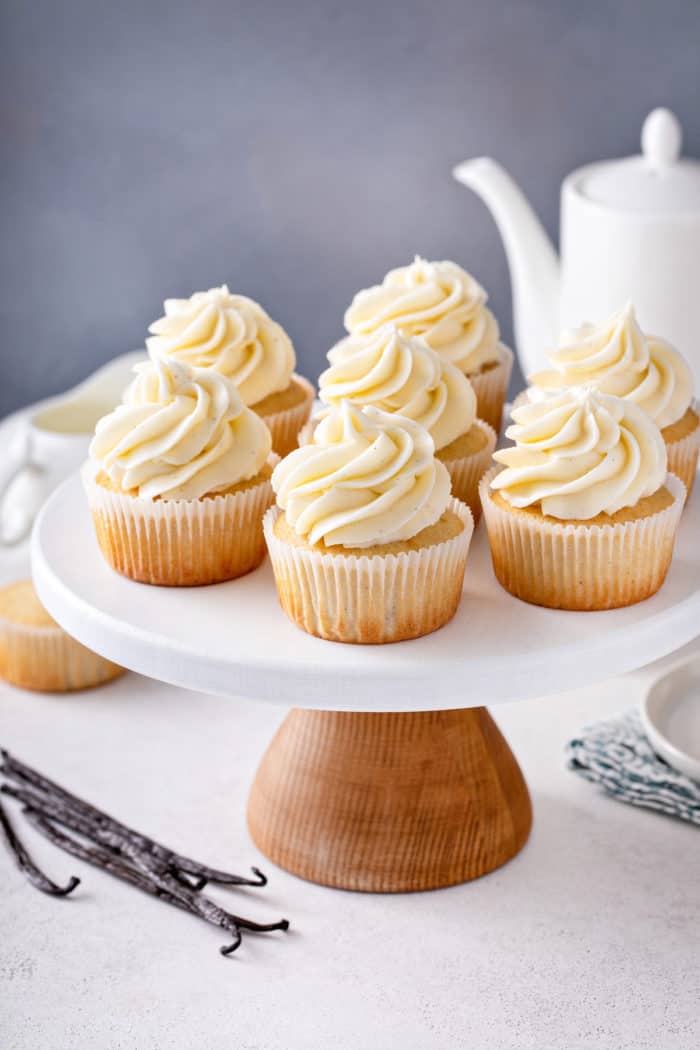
[
  {"x": 229, "y": 333},
  {"x": 180, "y": 433},
  {"x": 369, "y": 478},
  {"x": 400, "y": 374},
  {"x": 436, "y": 300},
  {"x": 580, "y": 453},
  {"x": 617, "y": 358}
]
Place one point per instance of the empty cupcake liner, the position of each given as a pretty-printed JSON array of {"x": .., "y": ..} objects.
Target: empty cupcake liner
[
  {"x": 370, "y": 599},
  {"x": 578, "y": 566}
]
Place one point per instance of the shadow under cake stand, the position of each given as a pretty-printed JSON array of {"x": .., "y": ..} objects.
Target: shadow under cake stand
[{"x": 389, "y": 774}]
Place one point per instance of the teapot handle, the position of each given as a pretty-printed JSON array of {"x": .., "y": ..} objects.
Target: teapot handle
[{"x": 17, "y": 462}]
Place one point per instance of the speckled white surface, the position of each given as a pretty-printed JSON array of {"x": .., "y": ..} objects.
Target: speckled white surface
[{"x": 589, "y": 938}]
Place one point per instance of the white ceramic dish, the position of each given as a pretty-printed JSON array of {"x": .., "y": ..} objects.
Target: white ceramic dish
[
  {"x": 234, "y": 640},
  {"x": 671, "y": 717},
  {"x": 48, "y": 441}
]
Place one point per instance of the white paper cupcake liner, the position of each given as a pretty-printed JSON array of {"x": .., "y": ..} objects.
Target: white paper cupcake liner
[
  {"x": 578, "y": 566},
  {"x": 284, "y": 426},
  {"x": 370, "y": 599},
  {"x": 491, "y": 387},
  {"x": 180, "y": 543},
  {"x": 683, "y": 455},
  {"x": 467, "y": 472},
  {"x": 49, "y": 660}
]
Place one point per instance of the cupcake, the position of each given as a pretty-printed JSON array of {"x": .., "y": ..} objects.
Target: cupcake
[
  {"x": 401, "y": 374},
  {"x": 178, "y": 479},
  {"x": 445, "y": 305},
  {"x": 35, "y": 653},
  {"x": 617, "y": 358},
  {"x": 366, "y": 543},
  {"x": 585, "y": 514},
  {"x": 233, "y": 335}
]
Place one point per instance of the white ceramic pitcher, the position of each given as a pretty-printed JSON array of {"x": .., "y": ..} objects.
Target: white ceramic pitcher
[
  {"x": 51, "y": 442},
  {"x": 630, "y": 230}
]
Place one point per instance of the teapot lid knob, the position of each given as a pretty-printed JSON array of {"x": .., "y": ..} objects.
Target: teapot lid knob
[{"x": 662, "y": 137}]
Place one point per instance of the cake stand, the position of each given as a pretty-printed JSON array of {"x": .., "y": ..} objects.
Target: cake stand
[{"x": 389, "y": 774}]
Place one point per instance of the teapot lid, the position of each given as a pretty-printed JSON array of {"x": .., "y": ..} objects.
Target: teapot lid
[{"x": 659, "y": 180}]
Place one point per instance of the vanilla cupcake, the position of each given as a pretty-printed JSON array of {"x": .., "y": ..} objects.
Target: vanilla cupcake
[
  {"x": 233, "y": 335},
  {"x": 366, "y": 543},
  {"x": 178, "y": 479},
  {"x": 445, "y": 305},
  {"x": 35, "y": 653},
  {"x": 617, "y": 358},
  {"x": 585, "y": 514},
  {"x": 400, "y": 374}
]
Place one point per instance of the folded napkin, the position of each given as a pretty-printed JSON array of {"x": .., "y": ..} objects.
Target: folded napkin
[{"x": 617, "y": 755}]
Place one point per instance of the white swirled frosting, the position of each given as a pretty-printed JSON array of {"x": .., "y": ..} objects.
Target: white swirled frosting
[
  {"x": 581, "y": 453},
  {"x": 398, "y": 373},
  {"x": 617, "y": 358},
  {"x": 440, "y": 302},
  {"x": 180, "y": 433},
  {"x": 369, "y": 478},
  {"x": 229, "y": 333}
]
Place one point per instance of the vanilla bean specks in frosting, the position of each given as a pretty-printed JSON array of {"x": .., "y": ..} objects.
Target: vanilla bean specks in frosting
[
  {"x": 369, "y": 478},
  {"x": 581, "y": 453},
  {"x": 180, "y": 433},
  {"x": 617, "y": 358},
  {"x": 398, "y": 373},
  {"x": 229, "y": 333},
  {"x": 436, "y": 300}
]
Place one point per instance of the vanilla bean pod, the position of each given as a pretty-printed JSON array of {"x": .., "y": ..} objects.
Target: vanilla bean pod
[
  {"x": 107, "y": 860},
  {"x": 134, "y": 848},
  {"x": 147, "y": 872},
  {"x": 27, "y": 866},
  {"x": 201, "y": 873},
  {"x": 205, "y": 906}
]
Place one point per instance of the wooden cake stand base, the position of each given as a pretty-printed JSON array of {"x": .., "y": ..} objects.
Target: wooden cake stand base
[{"x": 389, "y": 803}]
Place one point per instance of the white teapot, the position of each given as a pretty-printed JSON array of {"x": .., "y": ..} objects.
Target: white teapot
[{"x": 630, "y": 230}]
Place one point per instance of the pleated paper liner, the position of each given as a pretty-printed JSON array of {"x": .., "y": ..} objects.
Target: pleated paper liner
[
  {"x": 577, "y": 566},
  {"x": 180, "y": 543},
  {"x": 370, "y": 599},
  {"x": 683, "y": 453},
  {"x": 491, "y": 388},
  {"x": 467, "y": 472},
  {"x": 284, "y": 426},
  {"x": 49, "y": 660}
]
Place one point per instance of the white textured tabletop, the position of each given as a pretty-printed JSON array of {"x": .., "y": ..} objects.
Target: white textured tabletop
[{"x": 589, "y": 938}]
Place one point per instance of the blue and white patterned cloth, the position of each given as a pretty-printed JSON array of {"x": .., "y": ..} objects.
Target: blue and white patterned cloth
[{"x": 617, "y": 755}]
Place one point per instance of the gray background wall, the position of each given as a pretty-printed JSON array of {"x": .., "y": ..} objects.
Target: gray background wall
[{"x": 295, "y": 150}]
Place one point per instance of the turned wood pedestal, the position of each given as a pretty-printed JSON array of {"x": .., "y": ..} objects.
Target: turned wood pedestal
[{"x": 389, "y": 803}]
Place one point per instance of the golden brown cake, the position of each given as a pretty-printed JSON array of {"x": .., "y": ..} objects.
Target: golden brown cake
[
  {"x": 367, "y": 545},
  {"x": 35, "y": 653},
  {"x": 179, "y": 479},
  {"x": 585, "y": 514}
]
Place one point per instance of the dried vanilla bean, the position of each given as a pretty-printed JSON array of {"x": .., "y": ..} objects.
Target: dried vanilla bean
[
  {"x": 125, "y": 853},
  {"x": 202, "y": 873},
  {"x": 27, "y": 866}
]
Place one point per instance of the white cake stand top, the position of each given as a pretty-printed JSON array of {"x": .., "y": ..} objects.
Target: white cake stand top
[{"x": 234, "y": 640}]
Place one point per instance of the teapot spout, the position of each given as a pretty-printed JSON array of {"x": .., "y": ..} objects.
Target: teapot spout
[{"x": 532, "y": 260}]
